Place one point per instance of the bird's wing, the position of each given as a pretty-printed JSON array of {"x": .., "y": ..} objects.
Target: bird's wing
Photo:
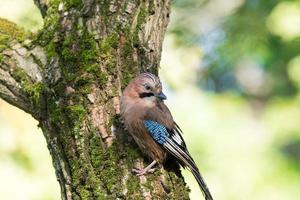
[
  {"x": 174, "y": 144},
  {"x": 171, "y": 141},
  {"x": 162, "y": 115},
  {"x": 177, "y": 131}
]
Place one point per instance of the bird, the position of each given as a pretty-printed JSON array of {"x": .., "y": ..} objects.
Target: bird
[{"x": 150, "y": 123}]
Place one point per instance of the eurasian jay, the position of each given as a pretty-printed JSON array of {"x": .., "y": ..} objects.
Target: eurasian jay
[{"x": 151, "y": 125}]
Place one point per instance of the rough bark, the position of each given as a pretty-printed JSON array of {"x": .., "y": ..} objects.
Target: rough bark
[{"x": 69, "y": 77}]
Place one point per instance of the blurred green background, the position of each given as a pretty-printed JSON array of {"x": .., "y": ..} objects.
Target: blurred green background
[{"x": 231, "y": 71}]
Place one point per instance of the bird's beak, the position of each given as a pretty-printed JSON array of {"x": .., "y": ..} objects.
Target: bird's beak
[{"x": 161, "y": 96}]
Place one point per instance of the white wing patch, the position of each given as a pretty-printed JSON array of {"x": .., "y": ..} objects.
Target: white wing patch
[
  {"x": 176, "y": 137},
  {"x": 179, "y": 153}
]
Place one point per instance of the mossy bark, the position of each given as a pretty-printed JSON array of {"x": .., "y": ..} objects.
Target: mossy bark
[{"x": 70, "y": 76}]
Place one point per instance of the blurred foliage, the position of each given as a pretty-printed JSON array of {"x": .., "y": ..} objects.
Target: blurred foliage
[
  {"x": 250, "y": 36},
  {"x": 26, "y": 170},
  {"x": 24, "y": 13},
  {"x": 233, "y": 75},
  {"x": 291, "y": 149}
]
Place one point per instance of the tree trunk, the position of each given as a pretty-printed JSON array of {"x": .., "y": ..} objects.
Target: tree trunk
[{"x": 70, "y": 76}]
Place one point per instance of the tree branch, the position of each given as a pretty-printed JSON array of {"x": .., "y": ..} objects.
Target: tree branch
[
  {"x": 20, "y": 64},
  {"x": 11, "y": 91}
]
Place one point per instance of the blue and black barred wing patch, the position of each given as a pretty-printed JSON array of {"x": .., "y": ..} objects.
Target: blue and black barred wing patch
[
  {"x": 173, "y": 143},
  {"x": 158, "y": 132}
]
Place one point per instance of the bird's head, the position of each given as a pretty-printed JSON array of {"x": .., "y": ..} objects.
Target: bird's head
[{"x": 146, "y": 86}]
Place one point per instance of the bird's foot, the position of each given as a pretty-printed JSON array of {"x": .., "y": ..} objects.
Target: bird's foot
[
  {"x": 148, "y": 169},
  {"x": 140, "y": 172}
]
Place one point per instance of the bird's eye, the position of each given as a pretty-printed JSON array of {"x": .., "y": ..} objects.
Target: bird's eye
[{"x": 147, "y": 87}]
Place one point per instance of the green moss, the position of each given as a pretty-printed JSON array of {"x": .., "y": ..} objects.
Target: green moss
[
  {"x": 133, "y": 186},
  {"x": 98, "y": 75},
  {"x": 56, "y": 116},
  {"x": 4, "y": 39},
  {"x": 74, "y": 3},
  {"x": 104, "y": 9},
  {"x": 51, "y": 50},
  {"x": 109, "y": 173},
  {"x": 143, "y": 13},
  {"x": 74, "y": 116},
  {"x": 10, "y": 31},
  {"x": 54, "y": 2},
  {"x": 85, "y": 180},
  {"x": 181, "y": 191},
  {"x": 1, "y": 56},
  {"x": 106, "y": 164},
  {"x": 88, "y": 52},
  {"x": 102, "y": 170},
  {"x": 109, "y": 42},
  {"x": 76, "y": 112},
  {"x": 2, "y": 47},
  {"x": 79, "y": 55},
  {"x": 20, "y": 75},
  {"x": 69, "y": 49},
  {"x": 132, "y": 153},
  {"x": 32, "y": 90},
  {"x": 67, "y": 3},
  {"x": 130, "y": 66},
  {"x": 96, "y": 147},
  {"x": 128, "y": 75},
  {"x": 108, "y": 51}
]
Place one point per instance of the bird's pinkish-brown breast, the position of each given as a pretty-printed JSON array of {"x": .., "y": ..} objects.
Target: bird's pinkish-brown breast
[{"x": 134, "y": 113}]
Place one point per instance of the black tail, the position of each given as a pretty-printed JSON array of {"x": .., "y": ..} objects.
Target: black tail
[
  {"x": 185, "y": 159},
  {"x": 202, "y": 184}
]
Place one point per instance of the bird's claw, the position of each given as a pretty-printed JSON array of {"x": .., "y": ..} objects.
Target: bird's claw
[{"x": 140, "y": 172}]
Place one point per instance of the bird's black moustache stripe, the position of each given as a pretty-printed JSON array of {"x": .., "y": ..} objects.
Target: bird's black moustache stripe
[{"x": 146, "y": 94}]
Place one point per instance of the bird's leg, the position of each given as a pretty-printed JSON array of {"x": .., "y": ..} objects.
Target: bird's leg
[{"x": 147, "y": 169}]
